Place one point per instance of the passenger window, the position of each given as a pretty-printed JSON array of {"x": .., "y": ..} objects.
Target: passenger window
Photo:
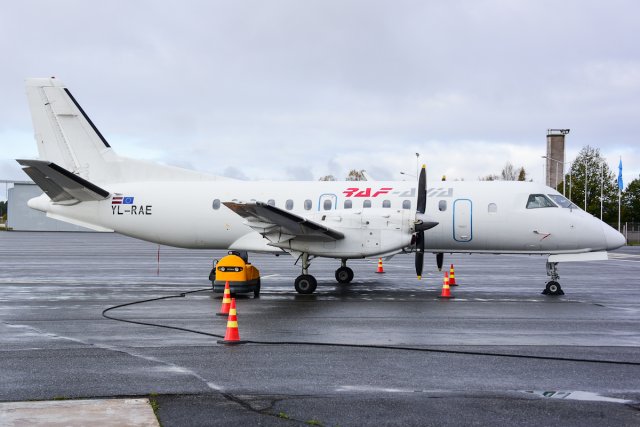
[
  {"x": 406, "y": 204},
  {"x": 216, "y": 204},
  {"x": 271, "y": 202},
  {"x": 288, "y": 205},
  {"x": 492, "y": 208},
  {"x": 326, "y": 205},
  {"x": 386, "y": 203},
  {"x": 348, "y": 204},
  {"x": 307, "y": 205},
  {"x": 366, "y": 204},
  {"x": 539, "y": 201},
  {"x": 442, "y": 205}
]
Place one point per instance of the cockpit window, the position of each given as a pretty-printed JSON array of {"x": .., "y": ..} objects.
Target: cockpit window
[
  {"x": 562, "y": 201},
  {"x": 539, "y": 201}
]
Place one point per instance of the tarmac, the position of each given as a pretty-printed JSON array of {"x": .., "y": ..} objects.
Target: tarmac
[{"x": 381, "y": 351}]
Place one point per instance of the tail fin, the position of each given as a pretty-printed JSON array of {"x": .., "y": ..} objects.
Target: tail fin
[{"x": 65, "y": 135}]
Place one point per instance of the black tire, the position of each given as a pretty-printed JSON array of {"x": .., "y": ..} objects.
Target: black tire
[
  {"x": 344, "y": 275},
  {"x": 553, "y": 288},
  {"x": 306, "y": 284},
  {"x": 256, "y": 290}
]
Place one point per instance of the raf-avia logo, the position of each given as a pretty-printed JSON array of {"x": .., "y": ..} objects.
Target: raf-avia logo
[{"x": 124, "y": 205}]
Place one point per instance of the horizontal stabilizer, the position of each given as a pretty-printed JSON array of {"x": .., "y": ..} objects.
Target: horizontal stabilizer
[
  {"x": 61, "y": 185},
  {"x": 266, "y": 219}
]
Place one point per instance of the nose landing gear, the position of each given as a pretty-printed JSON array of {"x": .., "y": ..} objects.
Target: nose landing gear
[{"x": 553, "y": 287}]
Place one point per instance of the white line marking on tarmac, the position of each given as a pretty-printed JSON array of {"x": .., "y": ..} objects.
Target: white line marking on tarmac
[{"x": 171, "y": 367}]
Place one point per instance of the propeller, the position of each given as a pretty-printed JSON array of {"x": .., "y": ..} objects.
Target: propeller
[
  {"x": 420, "y": 209},
  {"x": 422, "y": 222},
  {"x": 439, "y": 260},
  {"x": 419, "y": 253}
]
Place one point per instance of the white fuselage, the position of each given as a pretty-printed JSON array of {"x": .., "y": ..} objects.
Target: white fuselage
[{"x": 471, "y": 216}]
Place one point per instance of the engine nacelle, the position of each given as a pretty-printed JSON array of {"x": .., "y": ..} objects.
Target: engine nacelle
[{"x": 367, "y": 232}]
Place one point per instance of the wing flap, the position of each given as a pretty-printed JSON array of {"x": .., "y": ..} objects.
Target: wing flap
[
  {"x": 267, "y": 219},
  {"x": 61, "y": 185}
]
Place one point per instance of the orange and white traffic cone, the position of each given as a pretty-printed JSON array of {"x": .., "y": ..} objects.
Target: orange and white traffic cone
[
  {"x": 226, "y": 301},
  {"x": 380, "y": 269},
  {"x": 232, "y": 336},
  {"x": 446, "y": 292},
  {"x": 452, "y": 277}
]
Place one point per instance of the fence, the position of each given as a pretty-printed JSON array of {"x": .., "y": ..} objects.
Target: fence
[{"x": 631, "y": 231}]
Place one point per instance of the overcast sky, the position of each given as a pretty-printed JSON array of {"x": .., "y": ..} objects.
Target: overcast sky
[{"x": 300, "y": 89}]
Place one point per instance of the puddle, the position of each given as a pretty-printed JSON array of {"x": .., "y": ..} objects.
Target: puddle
[
  {"x": 371, "y": 389},
  {"x": 577, "y": 395}
]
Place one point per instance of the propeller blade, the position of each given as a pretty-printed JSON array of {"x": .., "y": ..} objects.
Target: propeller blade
[
  {"x": 419, "y": 253},
  {"x": 439, "y": 260},
  {"x": 422, "y": 191}
]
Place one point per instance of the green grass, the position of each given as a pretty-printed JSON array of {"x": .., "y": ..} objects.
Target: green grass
[{"x": 155, "y": 406}]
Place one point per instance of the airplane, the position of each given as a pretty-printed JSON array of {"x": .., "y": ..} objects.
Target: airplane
[{"x": 86, "y": 183}]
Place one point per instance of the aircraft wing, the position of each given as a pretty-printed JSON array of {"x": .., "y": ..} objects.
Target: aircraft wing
[
  {"x": 61, "y": 185},
  {"x": 278, "y": 225}
]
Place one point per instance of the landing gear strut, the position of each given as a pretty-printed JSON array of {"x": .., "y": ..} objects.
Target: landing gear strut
[
  {"x": 344, "y": 274},
  {"x": 305, "y": 283},
  {"x": 553, "y": 287}
]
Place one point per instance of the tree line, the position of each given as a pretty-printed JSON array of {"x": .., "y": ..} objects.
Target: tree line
[
  {"x": 3, "y": 211},
  {"x": 590, "y": 168}
]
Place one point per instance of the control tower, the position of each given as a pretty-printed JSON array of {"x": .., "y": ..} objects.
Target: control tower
[{"x": 554, "y": 170}]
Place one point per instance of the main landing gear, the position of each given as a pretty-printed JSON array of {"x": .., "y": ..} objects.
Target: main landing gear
[
  {"x": 344, "y": 274},
  {"x": 553, "y": 287},
  {"x": 306, "y": 283}
]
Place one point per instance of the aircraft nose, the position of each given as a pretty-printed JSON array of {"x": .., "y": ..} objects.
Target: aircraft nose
[{"x": 614, "y": 238}]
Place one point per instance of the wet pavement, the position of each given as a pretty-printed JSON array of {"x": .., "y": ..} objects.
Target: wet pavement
[{"x": 383, "y": 350}]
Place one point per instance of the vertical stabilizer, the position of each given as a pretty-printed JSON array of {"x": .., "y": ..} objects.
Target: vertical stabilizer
[
  {"x": 67, "y": 137},
  {"x": 64, "y": 133}
]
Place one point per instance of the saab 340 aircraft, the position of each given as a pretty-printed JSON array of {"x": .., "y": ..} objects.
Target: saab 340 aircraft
[{"x": 87, "y": 184}]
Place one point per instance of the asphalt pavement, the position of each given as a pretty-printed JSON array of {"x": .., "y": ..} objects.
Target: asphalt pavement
[{"x": 381, "y": 351}]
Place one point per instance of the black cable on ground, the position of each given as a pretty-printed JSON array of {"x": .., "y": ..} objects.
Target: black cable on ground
[
  {"x": 135, "y": 322},
  {"x": 366, "y": 346}
]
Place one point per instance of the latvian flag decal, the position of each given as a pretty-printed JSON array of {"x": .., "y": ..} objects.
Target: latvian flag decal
[{"x": 120, "y": 200}]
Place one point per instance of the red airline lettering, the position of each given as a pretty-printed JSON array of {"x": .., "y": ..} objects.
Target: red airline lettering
[{"x": 366, "y": 192}]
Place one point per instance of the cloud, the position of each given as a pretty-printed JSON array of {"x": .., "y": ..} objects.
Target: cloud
[{"x": 260, "y": 88}]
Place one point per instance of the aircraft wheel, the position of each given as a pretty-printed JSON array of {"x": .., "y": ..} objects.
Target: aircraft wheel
[
  {"x": 344, "y": 275},
  {"x": 306, "y": 284},
  {"x": 256, "y": 290},
  {"x": 553, "y": 288}
]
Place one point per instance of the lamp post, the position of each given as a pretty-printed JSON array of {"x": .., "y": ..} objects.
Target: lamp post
[
  {"x": 563, "y": 180},
  {"x": 602, "y": 162}
]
